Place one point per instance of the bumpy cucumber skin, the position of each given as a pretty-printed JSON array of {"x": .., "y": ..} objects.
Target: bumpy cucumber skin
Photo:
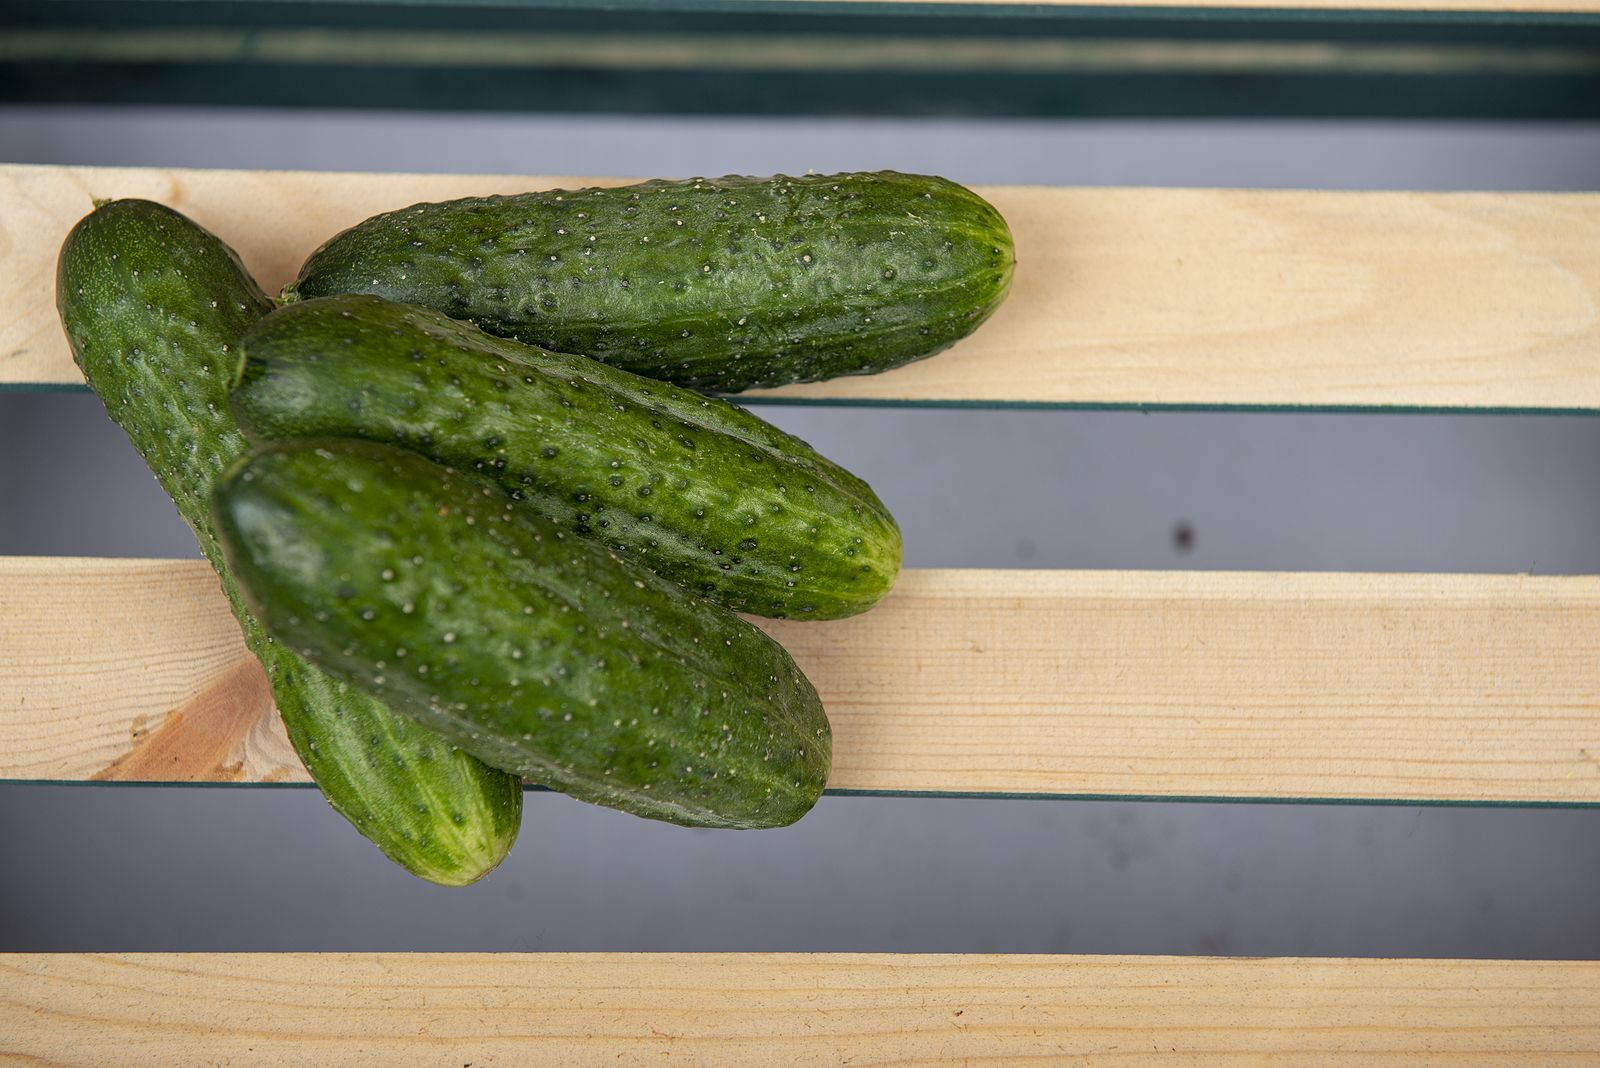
[
  {"x": 540, "y": 651},
  {"x": 716, "y": 284},
  {"x": 696, "y": 489},
  {"x": 153, "y": 307}
]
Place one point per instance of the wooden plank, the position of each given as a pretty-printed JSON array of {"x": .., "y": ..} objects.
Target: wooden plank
[
  {"x": 1123, "y": 296},
  {"x": 1147, "y": 684},
  {"x": 577, "y": 1009}
]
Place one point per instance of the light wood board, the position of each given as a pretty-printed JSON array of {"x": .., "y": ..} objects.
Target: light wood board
[
  {"x": 1122, "y": 296},
  {"x": 709, "y": 1009},
  {"x": 1159, "y": 684}
]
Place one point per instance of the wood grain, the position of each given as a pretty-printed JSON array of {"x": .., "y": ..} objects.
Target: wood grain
[
  {"x": 1181, "y": 684},
  {"x": 149, "y": 681},
  {"x": 1122, "y": 296},
  {"x": 710, "y": 1009}
]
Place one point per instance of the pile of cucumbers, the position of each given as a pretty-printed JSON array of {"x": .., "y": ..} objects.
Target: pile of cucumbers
[{"x": 467, "y": 557}]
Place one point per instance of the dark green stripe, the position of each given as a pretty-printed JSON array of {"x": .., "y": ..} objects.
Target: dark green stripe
[
  {"x": 1183, "y": 799},
  {"x": 768, "y": 57},
  {"x": 909, "y": 10},
  {"x": 754, "y": 52},
  {"x": 758, "y": 401}
]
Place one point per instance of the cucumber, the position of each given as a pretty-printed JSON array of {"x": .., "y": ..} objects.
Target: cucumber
[
  {"x": 716, "y": 284},
  {"x": 542, "y": 652},
  {"x": 696, "y": 489},
  {"x": 153, "y": 307}
]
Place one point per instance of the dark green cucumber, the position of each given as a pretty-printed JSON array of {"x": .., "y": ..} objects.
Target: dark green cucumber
[
  {"x": 696, "y": 489},
  {"x": 542, "y": 652},
  {"x": 153, "y": 307},
  {"x": 717, "y": 284}
]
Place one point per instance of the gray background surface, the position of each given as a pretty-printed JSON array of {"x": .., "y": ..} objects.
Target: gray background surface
[{"x": 273, "y": 868}]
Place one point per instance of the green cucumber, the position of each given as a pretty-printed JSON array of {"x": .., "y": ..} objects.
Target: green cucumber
[
  {"x": 717, "y": 284},
  {"x": 696, "y": 489},
  {"x": 153, "y": 307},
  {"x": 540, "y": 651}
]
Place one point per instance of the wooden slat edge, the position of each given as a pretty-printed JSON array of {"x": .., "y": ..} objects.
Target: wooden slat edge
[
  {"x": 1452, "y": 688},
  {"x": 1122, "y": 296},
  {"x": 794, "y": 1009}
]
